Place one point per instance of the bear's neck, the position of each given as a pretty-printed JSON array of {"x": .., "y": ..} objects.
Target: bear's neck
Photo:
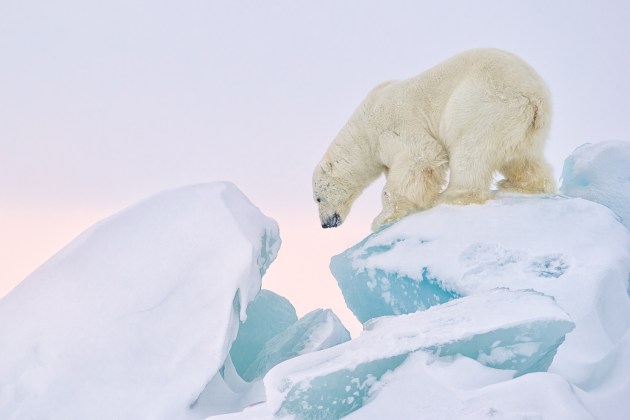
[{"x": 355, "y": 156}]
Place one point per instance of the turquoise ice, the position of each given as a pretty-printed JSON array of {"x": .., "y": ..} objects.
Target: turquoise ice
[
  {"x": 268, "y": 315},
  {"x": 378, "y": 292},
  {"x": 317, "y": 330}
]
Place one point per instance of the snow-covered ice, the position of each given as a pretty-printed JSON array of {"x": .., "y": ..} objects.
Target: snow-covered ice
[
  {"x": 571, "y": 249},
  {"x": 426, "y": 388},
  {"x": 134, "y": 317},
  {"x": 518, "y": 331}
]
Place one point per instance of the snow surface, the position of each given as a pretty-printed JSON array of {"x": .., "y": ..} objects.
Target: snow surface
[{"x": 135, "y": 316}]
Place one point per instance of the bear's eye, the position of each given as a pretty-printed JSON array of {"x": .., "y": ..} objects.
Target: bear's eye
[{"x": 319, "y": 200}]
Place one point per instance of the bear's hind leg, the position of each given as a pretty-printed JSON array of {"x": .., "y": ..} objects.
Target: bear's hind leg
[
  {"x": 527, "y": 175},
  {"x": 469, "y": 179}
]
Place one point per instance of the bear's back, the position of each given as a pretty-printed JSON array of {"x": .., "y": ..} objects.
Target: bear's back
[{"x": 423, "y": 98}]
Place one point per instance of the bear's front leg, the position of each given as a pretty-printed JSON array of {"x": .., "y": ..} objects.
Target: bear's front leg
[
  {"x": 391, "y": 210},
  {"x": 409, "y": 188}
]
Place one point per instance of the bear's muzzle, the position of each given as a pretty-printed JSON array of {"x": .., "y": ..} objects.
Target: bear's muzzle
[{"x": 332, "y": 221}]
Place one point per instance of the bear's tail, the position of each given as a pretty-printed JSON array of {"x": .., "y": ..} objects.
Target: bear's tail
[{"x": 540, "y": 112}]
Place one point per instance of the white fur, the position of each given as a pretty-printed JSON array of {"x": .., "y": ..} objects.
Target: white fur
[{"x": 482, "y": 111}]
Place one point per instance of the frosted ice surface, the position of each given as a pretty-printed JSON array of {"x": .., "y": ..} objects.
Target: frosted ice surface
[
  {"x": 134, "y": 317},
  {"x": 515, "y": 330},
  {"x": 376, "y": 292},
  {"x": 268, "y": 315},
  {"x": 600, "y": 172}
]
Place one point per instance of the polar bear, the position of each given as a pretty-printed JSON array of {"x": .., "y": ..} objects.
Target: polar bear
[{"x": 481, "y": 111}]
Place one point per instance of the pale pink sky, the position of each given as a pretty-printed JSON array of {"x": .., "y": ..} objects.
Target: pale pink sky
[{"x": 105, "y": 103}]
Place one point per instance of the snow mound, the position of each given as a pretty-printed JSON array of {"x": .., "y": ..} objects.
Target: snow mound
[
  {"x": 135, "y": 316},
  {"x": 601, "y": 173}
]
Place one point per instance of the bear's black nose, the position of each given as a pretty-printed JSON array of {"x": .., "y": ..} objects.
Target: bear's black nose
[{"x": 332, "y": 221}]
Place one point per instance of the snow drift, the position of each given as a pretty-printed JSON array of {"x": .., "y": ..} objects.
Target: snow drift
[{"x": 135, "y": 316}]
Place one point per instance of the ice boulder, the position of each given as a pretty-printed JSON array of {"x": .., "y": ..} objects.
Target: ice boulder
[
  {"x": 571, "y": 249},
  {"x": 232, "y": 390},
  {"x": 136, "y": 316},
  {"x": 317, "y": 330},
  {"x": 267, "y": 316},
  {"x": 272, "y": 334},
  {"x": 513, "y": 331},
  {"x": 601, "y": 173}
]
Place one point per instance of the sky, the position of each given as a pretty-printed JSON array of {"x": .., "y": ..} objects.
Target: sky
[{"x": 105, "y": 103}]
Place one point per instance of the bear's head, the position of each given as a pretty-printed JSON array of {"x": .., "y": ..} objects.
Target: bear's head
[{"x": 333, "y": 193}]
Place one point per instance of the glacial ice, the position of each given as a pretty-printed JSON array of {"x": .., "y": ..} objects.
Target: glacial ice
[
  {"x": 601, "y": 173},
  {"x": 134, "y": 317}
]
